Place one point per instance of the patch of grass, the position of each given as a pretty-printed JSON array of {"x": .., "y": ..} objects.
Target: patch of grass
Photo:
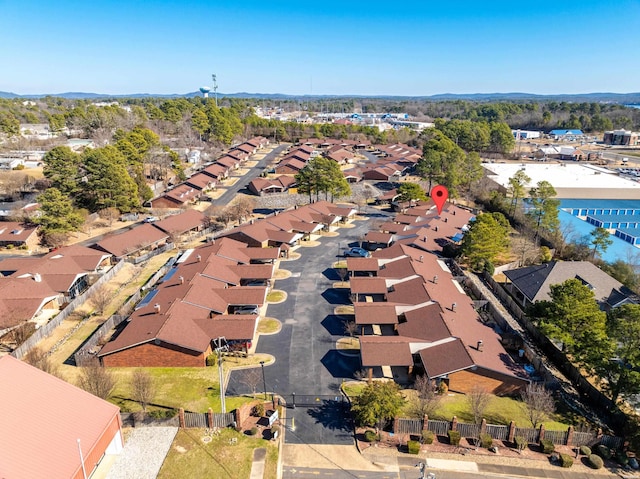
[
  {"x": 281, "y": 274},
  {"x": 268, "y": 325},
  {"x": 344, "y": 309},
  {"x": 275, "y": 296},
  {"x": 501, "y": 410},
  {"x": 194, "y": 389},
  {"x": 190, "y": 457},
  {"x": 348, "y": 343},
  {"x": 353, "y": 389}
]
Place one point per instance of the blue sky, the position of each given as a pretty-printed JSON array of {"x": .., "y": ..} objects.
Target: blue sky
[{"x": 326, "y": 47}]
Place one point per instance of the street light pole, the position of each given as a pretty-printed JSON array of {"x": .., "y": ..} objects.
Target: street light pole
[{"x": 264, "y": 381}]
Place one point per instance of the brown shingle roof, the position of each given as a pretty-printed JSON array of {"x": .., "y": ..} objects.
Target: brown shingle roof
[
  {"x": 445, "y": 358},
  {"x": 375, "y": 313},
  {"x": 132, "y": 240},
  {"x": 385, "y": 351},
  {"x": 182, "y": 223}
]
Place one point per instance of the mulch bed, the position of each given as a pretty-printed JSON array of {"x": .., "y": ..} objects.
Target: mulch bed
[{"x": 466, "y": 447}]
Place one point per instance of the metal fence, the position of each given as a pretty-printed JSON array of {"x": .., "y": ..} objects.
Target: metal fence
[
  {"x": 583, "y": 438},
  {"x": 556, "y": 437},
  {"x": 440, "y": 428},
  {"x": 47, "y": 329},
  {"x": 408, "y": 426},
  {"x": 468, "y": 430},
  {"x": 614, "y": 442},
  {"x": 498, "y": 432},
  {"x": 195, "y": 419},
  {"x": 531, "y": 435}
]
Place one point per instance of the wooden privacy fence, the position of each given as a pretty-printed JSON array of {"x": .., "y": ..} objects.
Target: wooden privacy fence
[
  {"x": 569, "y": 437},
  {"x": 88, "y": 348},
  {"x": 47, "y": 329}
]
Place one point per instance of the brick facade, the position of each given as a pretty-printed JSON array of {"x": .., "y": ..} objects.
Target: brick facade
[
  {"x": 150, "y": 355},
  {"x": 495, "y": 383}
]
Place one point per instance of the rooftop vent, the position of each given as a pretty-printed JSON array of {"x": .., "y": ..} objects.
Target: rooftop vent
[
  {"x": 181, "y": 279},
  {"x": 435, "y": 279},
  {"x": 480, "y": 345},
  {"x": 454, "y": 306},
  {"x": 156, "y": 308}
]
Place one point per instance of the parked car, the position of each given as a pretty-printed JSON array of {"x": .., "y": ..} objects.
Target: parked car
[
  {"x": 246, "y": 310},
  {"x": 357, "y": 253},
  {"x": 151, "y": 219}
]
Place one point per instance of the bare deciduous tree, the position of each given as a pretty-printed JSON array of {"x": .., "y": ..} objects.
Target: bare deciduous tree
[
  {"x": 427, "y": 398},
  {"x": 109, "y": 214},
  {"x": 96, "y": 380},
  {"x": 537, "y": 403},
  {"x": 478, "y": 400},
  {"x": 40, "y": 359},
  {"x": 143, "y": 388},
  {"x": 242, "y": 208},
  {"x": 252, "y": 379},
  {"x": 101, "y": 297},
  {"x": 350, "y": 327},
  {"x": 342, "y": 272}
]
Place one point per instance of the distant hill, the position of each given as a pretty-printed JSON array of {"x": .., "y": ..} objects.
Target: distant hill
[{"x": 625, "y": 98}]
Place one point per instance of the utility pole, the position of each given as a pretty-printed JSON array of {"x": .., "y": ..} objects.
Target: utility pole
[{"x": 219, "y": 349}]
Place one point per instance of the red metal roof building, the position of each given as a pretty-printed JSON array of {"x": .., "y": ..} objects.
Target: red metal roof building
[{"x": 47, "y": 422}]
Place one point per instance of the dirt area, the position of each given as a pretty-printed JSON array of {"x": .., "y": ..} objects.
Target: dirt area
[{"x": 64, "y": 341}]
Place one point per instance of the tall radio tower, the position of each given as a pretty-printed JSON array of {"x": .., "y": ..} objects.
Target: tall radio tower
[{"x": 215, "y": 88}]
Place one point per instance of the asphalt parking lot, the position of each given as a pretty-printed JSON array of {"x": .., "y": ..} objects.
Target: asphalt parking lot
[{"x": 306, "y": 360}]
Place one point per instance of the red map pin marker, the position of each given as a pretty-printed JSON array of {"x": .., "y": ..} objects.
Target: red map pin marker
[{"x": 439, "y": 195}]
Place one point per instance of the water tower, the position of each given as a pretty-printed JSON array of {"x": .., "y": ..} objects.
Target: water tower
[{"x": 205, "y": 91}]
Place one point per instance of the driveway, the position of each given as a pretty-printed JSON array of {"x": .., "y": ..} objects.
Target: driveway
[
  {"x": 306, "y": 360},
  {"x": 253, "y": 173}
]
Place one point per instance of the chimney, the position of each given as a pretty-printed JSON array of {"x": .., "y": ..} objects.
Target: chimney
[
  {"x": 181, "y": 279},
  {"x": 198, "y": 258},
  {"x": 479, "y": 345},
  {"x": 435, "y": 279},
  {"x": 454, "y": 306},
  {"x": 37, "y": 278},
  {"x": 156, "y": 308}
]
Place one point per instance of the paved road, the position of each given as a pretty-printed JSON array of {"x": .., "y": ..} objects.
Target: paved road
[
  {"x": 306, "y": 360},
  {"x": 244, "y": 180}
]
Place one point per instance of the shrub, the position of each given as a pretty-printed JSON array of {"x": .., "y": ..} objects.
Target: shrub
[
  {"x": 585, "y": 450},
  {"x": 274, "y": 430},
  {"x": 547, "y": 446},
  {"x": 253, "y": 431},
  {"x": 163, "y": 413},
  {"x": 238, "y": 428},
  {"x": 370, "y": 436},
  {"x": 486, "y": 441},
  {"x": 258, "y": 410},
  {"x": 428, "y": 436},
  {"x": 413, "y": 447},
  {"x": 566, "y": 460},
  {"x": 443, "y": 388},
  {"x": 212, "y": 359},
  {"x": 622, "y": 458},
  {"x": 454, "y": 438},
  {"x": 521, "y": 443},
  {"x": 596, "y": 461},
  {"x": 603, "y": 451}
]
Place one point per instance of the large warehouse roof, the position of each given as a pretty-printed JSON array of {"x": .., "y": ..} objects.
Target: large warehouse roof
[{"x": 571, "y": 180}]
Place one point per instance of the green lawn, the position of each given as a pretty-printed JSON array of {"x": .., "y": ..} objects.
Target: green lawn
[
  {"x": 501, "y": 410},
  {"x": 189, "y": 456},
  {"x": 194, "y": 389}
]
